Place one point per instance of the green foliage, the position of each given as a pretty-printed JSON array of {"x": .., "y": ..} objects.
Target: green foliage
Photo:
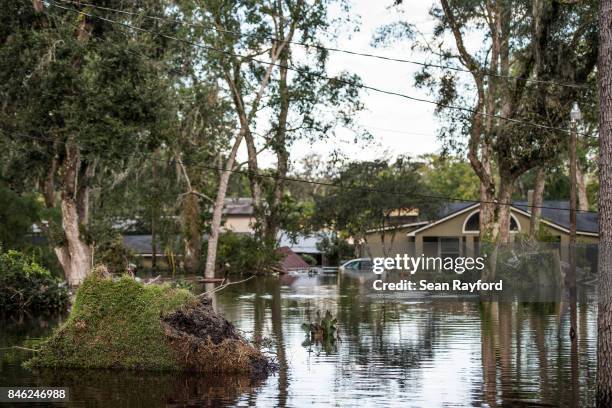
[
  {"x": 17, "y": 215},
  {"x": 336, "y": 249},
  {"x": 323, "y": 332},
  {"x": 115, "y": 255},
  {"x": 241, "y": 253},
  {"x": 309, "y": 259},
  {"x": 181, "y": 283},
  {"x": 27, "y": 286},
  {"x": 450, "y": 176},
  {"x": 372, "y": 193},
  {"x": 114, "y": 324},
  {"x": 80, "y": 95},
  {"x": 528, "y": 265}
]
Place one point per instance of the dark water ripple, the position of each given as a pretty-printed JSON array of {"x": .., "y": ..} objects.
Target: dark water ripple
[{"x": 409, "y": 353}]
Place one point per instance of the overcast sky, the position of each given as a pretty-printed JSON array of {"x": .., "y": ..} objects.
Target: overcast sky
[{"x": 399, "y": 126}]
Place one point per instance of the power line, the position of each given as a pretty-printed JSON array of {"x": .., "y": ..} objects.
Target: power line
[
  {"x": 339, "y": 80},
  {"x": 371, "y": 128},
  {"x": 333, "y": 49},
  {"x": 319, "y": 183}
]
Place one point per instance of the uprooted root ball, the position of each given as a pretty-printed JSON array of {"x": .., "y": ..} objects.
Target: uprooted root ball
[
  {"x": 125, "y": 324},
  {"x": 205, "y": 341}
]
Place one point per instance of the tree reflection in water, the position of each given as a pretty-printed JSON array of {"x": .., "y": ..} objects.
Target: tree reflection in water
[{"x": 423, "y": 352}]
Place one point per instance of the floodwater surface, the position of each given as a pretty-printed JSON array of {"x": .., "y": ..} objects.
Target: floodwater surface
[{"x": 424, "y": 352}]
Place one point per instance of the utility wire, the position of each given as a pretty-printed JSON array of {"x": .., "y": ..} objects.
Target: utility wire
[
  {"x": 339, "y": 80},
  {"x": 333, "y": 49},
  {"x": 319, "y": 183}
]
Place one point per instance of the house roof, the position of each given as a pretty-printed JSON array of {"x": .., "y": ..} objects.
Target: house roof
[
  {"x": 291, "y": 261},
  {"x": 446, "y": 212},
  {"x": 553, "y": 212},
  {"x": 557, "y": 212},
  {"x": 238, "y": 206},
  {"x": 409, "y": 227},
  {"x": 140, "y": 244},
  {"x": 302, "y": 244},
  {"x": 447, "y": 209}
]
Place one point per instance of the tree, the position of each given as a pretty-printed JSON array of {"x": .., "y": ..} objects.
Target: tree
[
  {"x": 527, "y": 48},
  {"x": 248, "y": 46},
  {"x": 87, "y": 96},
  {"x": 17, "y": 215},
  {"x": 368, "y": 196},
  {"x": 450, "y": 177},
  {"x": 204, "y": 128},
  {"x": 604, "y": 318}
]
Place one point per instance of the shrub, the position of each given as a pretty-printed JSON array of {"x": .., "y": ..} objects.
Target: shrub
[
  {"x": 27, "y": 286},
  {"x": 309, "y": 259},
  {"x": 115, "y": 255},
  {"x": 336, "y": 250}
]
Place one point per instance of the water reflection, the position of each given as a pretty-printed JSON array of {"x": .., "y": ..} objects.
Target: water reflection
[{"x": 408, "y": 352}]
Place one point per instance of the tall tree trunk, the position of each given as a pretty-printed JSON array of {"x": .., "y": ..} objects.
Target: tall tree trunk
[
  {"x": 74, "y": 254},
  {"x": 536, "y": 204},
  {"x": 272, "y": 219},
  {"x": 487, "y": 194},
  {"x": 38, "y": 5},
  {"x": 487, "y": 185},
  {"x": 604, "y": 320},
  {"x": 215, "y": 225},
  {"x": 503, "y": 212},
  {"x": 254, "y": 180},
  {"x": 154, "y": 209},
  {"x": 191, "y": 232},
  {"x": 581, "y": 184}
]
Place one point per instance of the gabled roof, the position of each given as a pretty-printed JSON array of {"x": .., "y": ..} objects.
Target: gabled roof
[
  {"x": 554, "y": 213},
  {"x": 446, "y": 212},
  {"x": 409, "y": 226},
  {"x": 557, "y": 212},
  {"x": 291, "y": 260}
]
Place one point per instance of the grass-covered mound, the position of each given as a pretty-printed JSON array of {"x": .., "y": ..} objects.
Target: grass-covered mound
[{"x": 125, "y": 324}]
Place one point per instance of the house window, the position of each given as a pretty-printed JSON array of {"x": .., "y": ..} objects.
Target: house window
[
  {"x": 472, "y": 224},
  {"x": 430, "y": 246},
  {"x": 449, "y": 247}
]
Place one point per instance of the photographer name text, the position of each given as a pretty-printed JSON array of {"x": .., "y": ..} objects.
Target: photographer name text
[{"x": 424, "y": 285}]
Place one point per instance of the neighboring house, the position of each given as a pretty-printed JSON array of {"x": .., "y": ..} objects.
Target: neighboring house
[
  {"x": 306, "y": 245},
  {"x": 238, "y": 217},
  {"x": 455, "y": 232}
]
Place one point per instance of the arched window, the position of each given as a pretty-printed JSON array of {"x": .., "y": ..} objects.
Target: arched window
[{"x": 472, "y": 223}]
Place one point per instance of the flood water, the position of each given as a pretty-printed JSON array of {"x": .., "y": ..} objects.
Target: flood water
[{"x": 424, "y": 352}]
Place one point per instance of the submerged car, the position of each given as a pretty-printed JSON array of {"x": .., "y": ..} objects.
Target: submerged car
[{"x": 357, "y": 265}]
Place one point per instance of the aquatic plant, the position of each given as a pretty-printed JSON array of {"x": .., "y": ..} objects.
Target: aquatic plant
[{"x": 323, "y": 331}]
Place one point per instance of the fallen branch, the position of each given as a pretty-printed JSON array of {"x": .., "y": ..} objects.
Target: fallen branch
[
  {"x": 19, "y": 348},
  {"x": 223, "y": 286},
  {"x": 153, "y": 280}
]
